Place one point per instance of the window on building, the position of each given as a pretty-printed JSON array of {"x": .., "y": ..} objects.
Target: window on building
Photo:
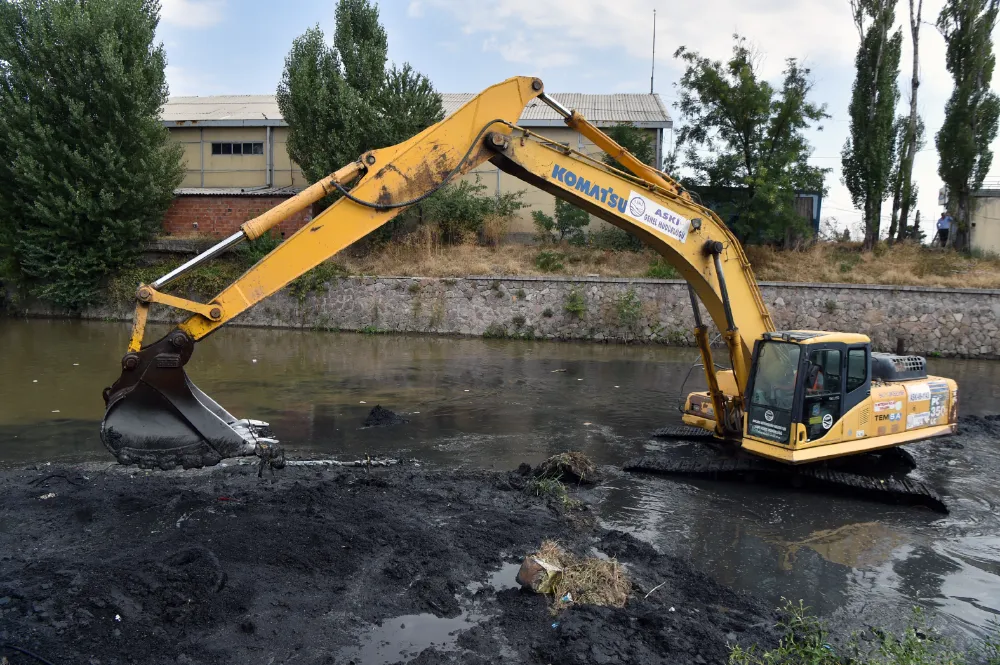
[{"x": 248, "y": 148}]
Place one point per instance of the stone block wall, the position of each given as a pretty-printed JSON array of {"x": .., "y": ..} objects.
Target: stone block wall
[{"x": 946, "y": 322}]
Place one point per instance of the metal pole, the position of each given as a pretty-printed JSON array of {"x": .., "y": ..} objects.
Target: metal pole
[
  {"x": 208, "y": 254},
  {"x": 556, "y": 106},
  {"x": 652, "y": 69},
  {"x": 694, "y": 306},
  {"x": 730, "y": 322}
]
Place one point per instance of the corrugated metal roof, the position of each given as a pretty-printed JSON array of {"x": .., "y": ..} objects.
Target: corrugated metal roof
[
  {"x": 600, "y": 109},
  {"x": 237, "y": 191},
  {"x": 603, "y": 110},
  {"x": 222, "y": 108}
]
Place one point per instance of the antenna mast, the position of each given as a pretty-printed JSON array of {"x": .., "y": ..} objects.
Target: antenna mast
[{"x": 652, "y": 70}]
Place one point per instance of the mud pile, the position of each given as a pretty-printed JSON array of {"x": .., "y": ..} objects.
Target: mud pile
[{"x": 328, "y": 565}]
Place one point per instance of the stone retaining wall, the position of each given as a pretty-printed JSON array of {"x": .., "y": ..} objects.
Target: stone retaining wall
[{"x": 930, "y": 321}]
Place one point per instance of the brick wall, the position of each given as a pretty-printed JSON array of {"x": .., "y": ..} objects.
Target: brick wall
[{"x": 221, "y": 216}]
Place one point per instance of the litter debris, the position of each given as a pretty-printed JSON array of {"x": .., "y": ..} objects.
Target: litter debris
[
  {"x": 568, "y": 467},
  {"x": 35, "y": 381},
  {"x": 572, "y": 579},
  {"x": 76, "y": 364},
  {"x": 50, "y": 495},
  {"x": 55, "y": 411},
  {"x": 558, "y": 370},
  {"x": 671, "y": 610},
  {"x": 254, "y": 360},
  {"x": 118, "y": 617},
  {"x": 362, "y": 402},
  {"x": 654, "y": 589},
  {"x": 555, "y": 624}
]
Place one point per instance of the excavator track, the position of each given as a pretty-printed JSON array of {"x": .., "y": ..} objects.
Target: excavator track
[
  {"x": 887, "y": 489},
  {"x": 685, "y": 432}
]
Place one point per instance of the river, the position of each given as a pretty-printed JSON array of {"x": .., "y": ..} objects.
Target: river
[{"x": 497, "y": 403}]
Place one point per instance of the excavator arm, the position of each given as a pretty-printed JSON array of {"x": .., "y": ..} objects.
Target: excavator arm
[{"x": 157, "y": 417}]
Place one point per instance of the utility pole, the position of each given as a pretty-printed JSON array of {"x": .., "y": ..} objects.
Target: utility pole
[{"x": 652, "y": 70}]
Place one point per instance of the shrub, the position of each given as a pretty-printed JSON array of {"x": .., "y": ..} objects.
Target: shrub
[
  {"x": 548, "y": 261},
  {"x": 660, "y": 269},
  {"x": 613, "y": 238},
  {"x": 575, "y": 304},
  {"x": 629, "y": 309}
]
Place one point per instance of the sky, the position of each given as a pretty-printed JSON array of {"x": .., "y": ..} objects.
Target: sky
[{"x": 593, "y": 46}]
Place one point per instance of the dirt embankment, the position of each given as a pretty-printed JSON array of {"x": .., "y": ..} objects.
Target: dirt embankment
[{"x": 328, "y": 565}]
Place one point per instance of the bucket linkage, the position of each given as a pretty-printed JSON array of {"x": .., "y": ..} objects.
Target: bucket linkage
[{"x": 157, "y": 418}]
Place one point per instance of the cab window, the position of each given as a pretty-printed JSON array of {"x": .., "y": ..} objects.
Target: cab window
[
  {"x": 822, "y": 392},
  {"x": 857, "y": 369},
  {"x": 774, "y": 385}
]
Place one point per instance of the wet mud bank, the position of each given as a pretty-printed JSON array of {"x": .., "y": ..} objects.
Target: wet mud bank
[{"x": 111, "y": 565}]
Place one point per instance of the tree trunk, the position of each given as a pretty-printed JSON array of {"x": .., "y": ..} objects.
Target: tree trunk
[
  {"x": 871, "y": 224},
  {"x": 906, "y": 166},
  {"x": 897, "y": 187}
]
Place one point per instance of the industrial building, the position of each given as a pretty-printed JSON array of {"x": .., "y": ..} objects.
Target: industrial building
[
  {"x": 986, "y": 217},
  {"x": 237, "y": 163}
]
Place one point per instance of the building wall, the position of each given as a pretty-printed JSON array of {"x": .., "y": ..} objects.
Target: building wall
[
  {"x": 203, "y": 169},
  {"x": 221, "y": 216},
  {"x": 986, "y": 221}
]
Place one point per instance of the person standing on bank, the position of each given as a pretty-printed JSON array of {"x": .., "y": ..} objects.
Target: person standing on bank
[{"x": 944, "y": 228}]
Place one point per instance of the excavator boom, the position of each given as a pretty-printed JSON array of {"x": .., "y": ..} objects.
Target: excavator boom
[{"x": 155, "y": 415}]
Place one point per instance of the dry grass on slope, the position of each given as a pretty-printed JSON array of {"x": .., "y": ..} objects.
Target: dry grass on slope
[{"x": 907, "y": 264}]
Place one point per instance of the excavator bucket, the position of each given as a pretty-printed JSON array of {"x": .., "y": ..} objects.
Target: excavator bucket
[{"x": 157, "y": 418}]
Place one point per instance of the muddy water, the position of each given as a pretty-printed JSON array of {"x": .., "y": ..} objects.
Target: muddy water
[{"x": 495, "y": 404}]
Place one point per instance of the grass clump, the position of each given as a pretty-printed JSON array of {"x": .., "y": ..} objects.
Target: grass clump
[
  {"x": 660, "y": 269},
  {"x": 806, "y": 639},
  {"x": 587, "y": 580},
  {"x": 548, "y": 261}
]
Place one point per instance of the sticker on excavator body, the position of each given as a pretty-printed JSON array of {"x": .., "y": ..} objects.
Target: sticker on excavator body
[
  {"x": 664, "y": 220},
  {"x": 918, "y": 392},
  {"x": 888, "y": 406},
  {"x": 939, "y": 402}
]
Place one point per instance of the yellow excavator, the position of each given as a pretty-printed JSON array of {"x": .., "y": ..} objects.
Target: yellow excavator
[{"x": 791, "y": 396}]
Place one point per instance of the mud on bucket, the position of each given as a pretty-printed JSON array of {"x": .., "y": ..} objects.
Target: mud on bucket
[{"x": 157, "y": 418}]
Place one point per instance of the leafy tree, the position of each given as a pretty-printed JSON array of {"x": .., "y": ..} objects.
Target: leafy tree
[
  {"x": 86, "y": 167},
  {"x": 341, "y": 101},
  {"x": 870, "y": 151},
  {"x": 640, "y": 143},
  {"x": 912, "y": 140},
  {"x": 741, "y": 132},
  {"x": 970, "y": 120},
  {"x": 904, "y": 190},
  {"x": 636, "y": 140}
]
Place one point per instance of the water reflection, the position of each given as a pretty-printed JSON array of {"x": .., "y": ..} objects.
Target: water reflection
[{"x": 496, "y": 404}]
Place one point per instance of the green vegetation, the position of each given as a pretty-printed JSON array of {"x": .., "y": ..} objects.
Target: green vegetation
[
  {"x": 548, "y": 261},
  {"x": 806, "y": 640},
  {"x": 629, "y": 310},
  {"x": 614, "y": 239},
  {"x": 742, "y": 135},
  {"x": 575, "y": 304},
  {"x": 972, "y": 113},
  {"x": 569, "y": 223},
  {"x": 87, "y": 169},
  {"x": 870, "y": 153},
  {"x": 552, "y": 488},
  {"x": 660, "y": 269},
  {"x": 343, "y": 99}
]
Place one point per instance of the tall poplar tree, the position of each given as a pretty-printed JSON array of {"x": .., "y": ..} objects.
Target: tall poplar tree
[
  {"x": 869, "y": 153},
  {"x": 971, "y": 114}
]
